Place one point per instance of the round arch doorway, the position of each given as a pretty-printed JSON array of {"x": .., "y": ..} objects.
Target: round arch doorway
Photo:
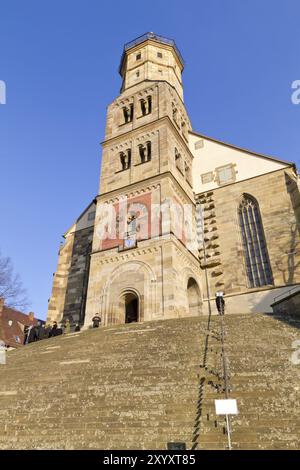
[
  {"x": 194, "y": 297},
  {"x": 131, "y": 306}
]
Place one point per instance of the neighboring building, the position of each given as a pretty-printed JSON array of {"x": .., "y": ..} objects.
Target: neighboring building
[
  {"x": 71, "y": 278},
  {"x": 179, "y": 215},
  {"x": 12, "y": 323}
]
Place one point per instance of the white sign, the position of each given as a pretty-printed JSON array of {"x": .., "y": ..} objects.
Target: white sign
[{"x": 226, "y": 407}]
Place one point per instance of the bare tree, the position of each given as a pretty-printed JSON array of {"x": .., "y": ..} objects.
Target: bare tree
[
  {"x": 291, "y": 263},
  {"x": 11, "y": 287}
]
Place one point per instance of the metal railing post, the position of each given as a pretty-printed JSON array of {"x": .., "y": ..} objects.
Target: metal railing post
[{"x": 225, "y": 376}]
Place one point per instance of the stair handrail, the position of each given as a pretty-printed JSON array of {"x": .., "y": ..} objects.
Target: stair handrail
[
  {"x": 225, "y": 374},
  {"x": 287, "y": 292}
]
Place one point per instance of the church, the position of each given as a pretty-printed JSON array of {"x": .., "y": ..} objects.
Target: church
[{"x": 179, "y": 215}]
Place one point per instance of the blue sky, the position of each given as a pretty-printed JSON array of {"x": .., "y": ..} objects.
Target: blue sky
[{"x": 59, "y": 60}]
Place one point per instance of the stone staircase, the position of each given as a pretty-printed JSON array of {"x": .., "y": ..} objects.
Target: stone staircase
[
  {"x": 265, "y": 381},
  {"x": 140, "y": 386}
]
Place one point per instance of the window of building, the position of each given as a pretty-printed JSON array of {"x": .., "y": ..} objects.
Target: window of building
[
  {"x": 148, "y": 146},
  {"x": 92, "y": 215},
  {"x": 138, "y": 56},
  {"x": 187, "y": 171},
  {"x": 159, "y": 54},
  {"x": 207, "y": 177},
  {"x": 137, "y": 73},
  {"x": 175, "y": 115},
  {"x": 199, "y": 144},
  {"x": 226, "y": 174},
  {"x": 146, "y": 105},
  {"x": 145, "y": 152},
  {"x": 184, "y": 129},
  {"x": 256, "y": 256},
  {"x": 178, "y": 159},
  {"x": 128, "y": 113},
  {"x": 125, "y": 159}
]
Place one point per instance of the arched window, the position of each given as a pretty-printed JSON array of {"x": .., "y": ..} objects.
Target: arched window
[{"x": 255, "y": 248}]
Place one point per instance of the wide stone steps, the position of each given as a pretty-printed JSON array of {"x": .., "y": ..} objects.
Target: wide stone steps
[{"x": 143, "y": 385}]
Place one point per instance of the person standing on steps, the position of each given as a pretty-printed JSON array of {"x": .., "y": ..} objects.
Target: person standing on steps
[
  {"x": 39, "y": 333},
  {"x": 96, "y": 321},
  {"x": 31, "y": 335},
  {"x": 43, "y": 333},
  {"x": 47, "y": 330},
  {"x": 26, "y": 331},
  {"x": 220, "y": 302},
  {"x": 53, "y": 331},
  {"x": 67, "y": 329}
]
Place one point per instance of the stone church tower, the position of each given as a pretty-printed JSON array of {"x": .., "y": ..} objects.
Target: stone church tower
[
  {"x": 179, "y": 215},
  {"x": 142, "y": 272}
]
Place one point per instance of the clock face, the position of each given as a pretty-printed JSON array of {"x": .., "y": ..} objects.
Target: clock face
[{"x": 129, "y": 242}]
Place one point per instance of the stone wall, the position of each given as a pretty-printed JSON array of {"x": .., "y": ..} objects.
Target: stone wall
[
  {"x": 157, "y": 271},
  {"x": 293, "y": 189},
  {"x": 60, "y": 281},
  {"x": 71, "y": 278},
  {"x": 288, "y": 304},
  {"x": 164, "y": 102},
  {"x": 78, "y": 276},
  {"x": 167, "y": 132},
  {"x": 279, "y": 222}
]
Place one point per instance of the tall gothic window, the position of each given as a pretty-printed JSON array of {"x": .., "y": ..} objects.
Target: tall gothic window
[{"x": 255, "y": 249}]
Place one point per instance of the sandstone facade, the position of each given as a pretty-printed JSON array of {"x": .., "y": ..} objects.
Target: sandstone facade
[
  {"x": 70, "y": 280},
  {"x": 232, "y": 222}
]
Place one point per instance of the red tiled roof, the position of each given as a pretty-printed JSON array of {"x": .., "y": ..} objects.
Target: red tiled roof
[{"x": 13, "y": 335}]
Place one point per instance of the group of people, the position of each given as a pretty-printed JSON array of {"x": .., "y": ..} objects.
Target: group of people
[{"x": 41, "y": 331}]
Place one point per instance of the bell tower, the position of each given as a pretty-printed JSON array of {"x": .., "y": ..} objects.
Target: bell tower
[
  {"x": 151, "y": 58},
  {"x": 144, "y": 259}
]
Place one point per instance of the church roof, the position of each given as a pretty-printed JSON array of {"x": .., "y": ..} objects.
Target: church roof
[{"x": 80, "y": 216}]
